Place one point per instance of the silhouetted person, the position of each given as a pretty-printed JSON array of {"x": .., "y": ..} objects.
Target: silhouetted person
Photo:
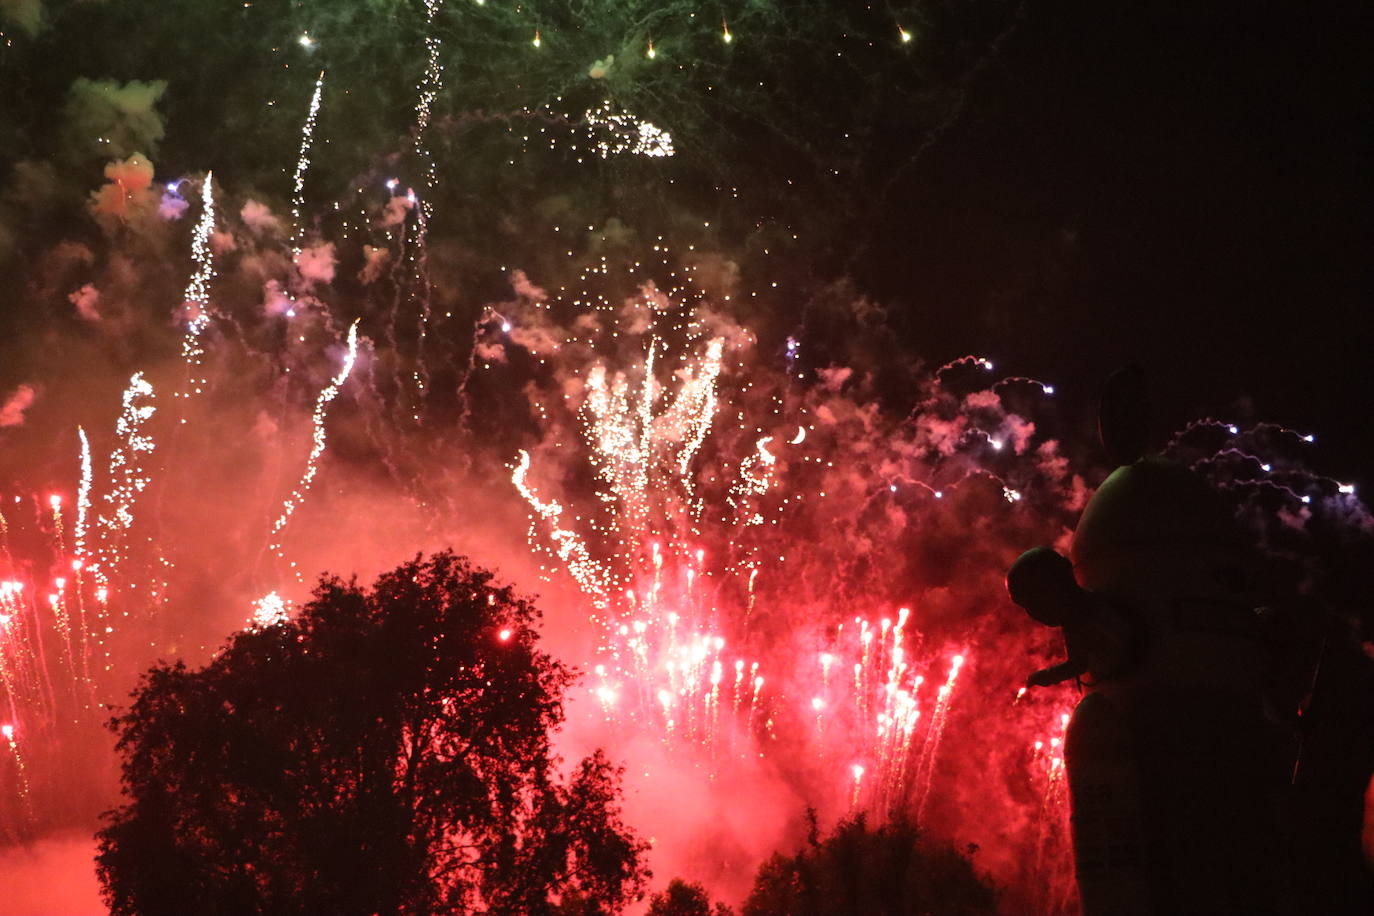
[
  {"x": 1176, "y": 776},
  {"x": 1097, "y": 637}
]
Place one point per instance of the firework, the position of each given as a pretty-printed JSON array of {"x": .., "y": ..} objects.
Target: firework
[
  {"x": 318, "y": 441},
  {"x": 196, "y": 301},
  {"x": 674, "y": 632},
  {"x": 303, "y": 166},
  {"x": 7, "y": 731},
  {"x": 429, "y": 87},
  {"x": 615, "y": 133},
  {"x": 127, "y": 476}
]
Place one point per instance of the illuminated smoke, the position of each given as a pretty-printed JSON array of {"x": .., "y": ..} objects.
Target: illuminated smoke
[{"x": 12, "y": 410}]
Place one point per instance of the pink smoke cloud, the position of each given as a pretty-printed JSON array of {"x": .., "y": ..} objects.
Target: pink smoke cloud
[
  {"x": 490, "y": 352},
  {"x": 316, "y": 263},
  {"x": 221, "y": 242},
  {"x": 259, "y": 218},
  {"x": 12, "y": 411},
  {"x": 172, "y": 206},
  {"x": 86, "y": 299},
  {"x": 396, "y": 210},
  {"x": 129, "y": 181},
  {"x": 274, "y": 299},
  {"x": 375, "y": 260},
  {"x": 53, "y": 875}
]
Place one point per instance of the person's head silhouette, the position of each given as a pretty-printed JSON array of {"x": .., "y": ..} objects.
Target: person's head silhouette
[{"x": 1041, "y": 581}]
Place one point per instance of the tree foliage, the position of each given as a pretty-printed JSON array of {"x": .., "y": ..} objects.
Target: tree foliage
[
  {"x": 386, "y": 751},
  {"x": 861, "y": 871},
  {"x": 810, "y": 107},
  {"x": 682, "y": 898}
]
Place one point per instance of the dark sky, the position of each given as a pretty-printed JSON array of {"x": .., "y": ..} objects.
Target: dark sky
[{"x": 1177, "y": 184}]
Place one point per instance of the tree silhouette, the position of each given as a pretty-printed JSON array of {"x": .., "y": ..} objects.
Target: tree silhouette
[
  {"x": 861, "y": 871},
  {"x": 387, "y": 751},
  {"x": 685, "y": 899}
]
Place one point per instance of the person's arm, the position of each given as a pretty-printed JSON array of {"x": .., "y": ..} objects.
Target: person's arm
[{"x": 1056, "y": 674}]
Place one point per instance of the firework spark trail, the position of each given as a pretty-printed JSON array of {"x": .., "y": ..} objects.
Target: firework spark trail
[
  {"x": 857, "y": 771},
  {"x": 318, "y": 438},
  {"x": 62, "y": 624},
  {"x": 83, "y": 508},
  {"x": 643, "y": 438},
  {"x": 1047, "y": 761},
  {"x": 27, "y": 666},
  {"x": 642, "y": 453},
  {"x": 881, "y": 703},
  {"x": 901, "y": 713},
  {"x": 7, "y": 731},
  {"x": 11, "y": 620},
  {"x": 59, "y": 535},
  {"x": 430, "y": 85},
  {"x": 755, "y": 479},
  {"x": 57, "y": 600},
  {"x": 196, "y": 300},
  {"x": 303, "y": 166},
  {"x": 571, "y": 550},
  {"x": 82, "y": 627},
  {"x": 127, "y": 479},
  {"x": 127, "y": 476},
  {"x": 630, "y": 440},
  {"x": 83, "y": 495},
  {"x": 925, "y": 767}
]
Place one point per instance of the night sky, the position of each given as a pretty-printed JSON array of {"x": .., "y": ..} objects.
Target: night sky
[{"x": 1182, "y": 185}]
